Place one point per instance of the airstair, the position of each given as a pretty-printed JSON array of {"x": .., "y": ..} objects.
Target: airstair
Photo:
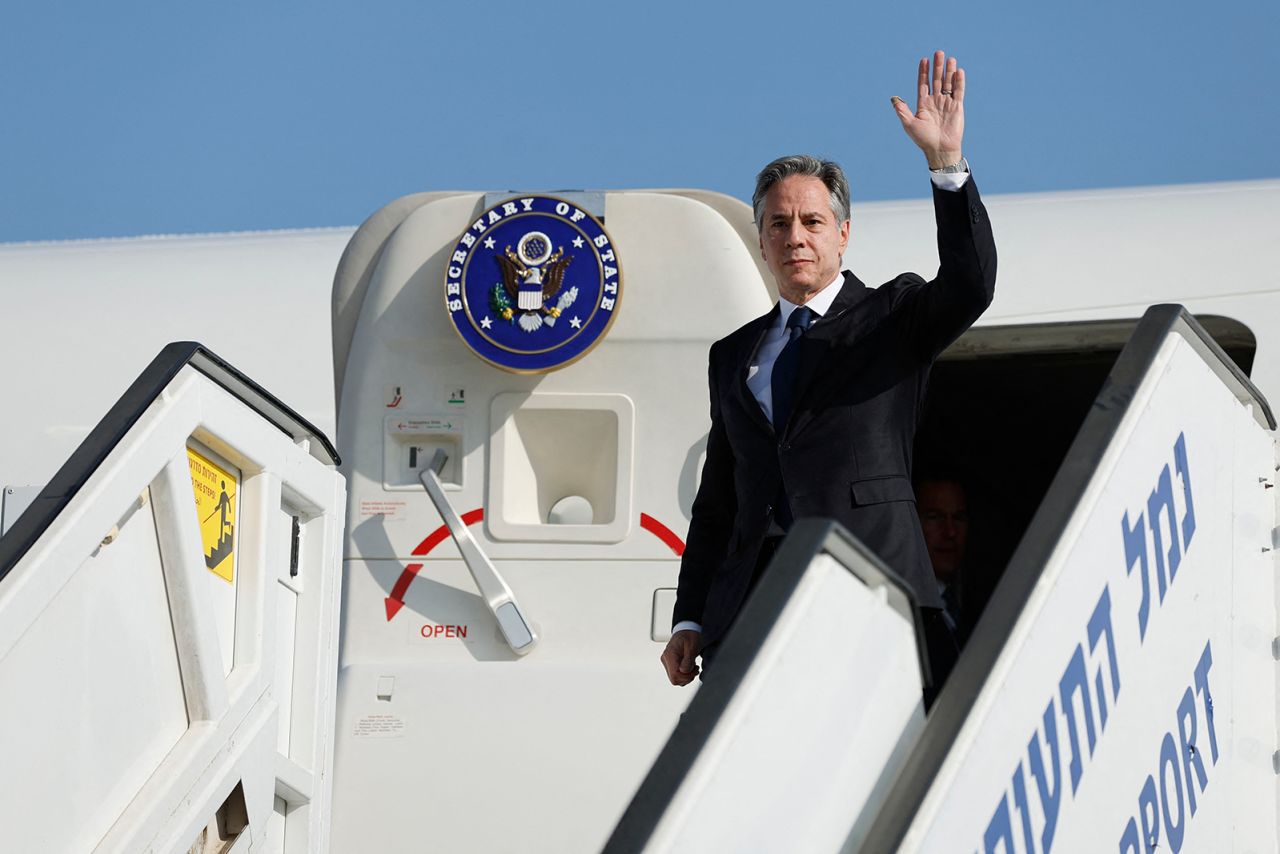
[
  {"x": 169, "y": 627},
  {"x": 1118, "y": 694}
]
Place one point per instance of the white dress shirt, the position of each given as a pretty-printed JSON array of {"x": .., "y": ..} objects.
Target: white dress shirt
[{"x": 760, "y": 369}]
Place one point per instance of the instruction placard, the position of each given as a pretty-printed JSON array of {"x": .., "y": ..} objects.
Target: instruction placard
[
  {"x": 379, "y": 726},
  {"x": 216, "y": 490}
]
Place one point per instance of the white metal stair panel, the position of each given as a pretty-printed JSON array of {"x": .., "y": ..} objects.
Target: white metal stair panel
[
  {"x": 138, "y": 732},
  {"x": 813, "y": 703},
  {"x": 814, "y": 678}
]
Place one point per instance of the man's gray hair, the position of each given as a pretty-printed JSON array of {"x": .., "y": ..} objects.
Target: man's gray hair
[{"x": 827, "y": 171}]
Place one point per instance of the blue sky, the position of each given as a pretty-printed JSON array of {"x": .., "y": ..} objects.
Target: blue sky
[{"x": 129, "y": 118}]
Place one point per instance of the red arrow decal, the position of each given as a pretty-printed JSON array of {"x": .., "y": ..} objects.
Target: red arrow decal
[
  {"x": 663, "y": 533},
  {"x": 395, "y": 601}
]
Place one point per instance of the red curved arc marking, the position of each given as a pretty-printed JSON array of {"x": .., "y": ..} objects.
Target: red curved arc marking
[
  {"x": 439, "y": 535},
  {"x": 663, "y": 533},
  {"x": 395, "y": 601}
]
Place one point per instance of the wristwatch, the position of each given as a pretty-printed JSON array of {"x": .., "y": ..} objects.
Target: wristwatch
[{"x": 961, "y": 165}]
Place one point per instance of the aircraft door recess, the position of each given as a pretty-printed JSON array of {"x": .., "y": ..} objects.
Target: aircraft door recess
[{"x": 1004, "y": 405}]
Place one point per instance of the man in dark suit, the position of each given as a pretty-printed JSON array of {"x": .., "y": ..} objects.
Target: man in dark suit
[
  {"x": 942, "y": 503},
  {"x": 814, "y": 405}
]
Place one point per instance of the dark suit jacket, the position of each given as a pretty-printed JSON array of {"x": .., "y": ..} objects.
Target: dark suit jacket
[{"x": 845, "y": 454}]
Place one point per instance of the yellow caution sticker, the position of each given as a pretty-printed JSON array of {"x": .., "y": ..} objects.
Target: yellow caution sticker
[{"x": 216, "y": 489}]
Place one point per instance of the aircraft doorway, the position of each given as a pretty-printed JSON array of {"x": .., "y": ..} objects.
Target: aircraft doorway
[{"x": 1003, "y": 406}]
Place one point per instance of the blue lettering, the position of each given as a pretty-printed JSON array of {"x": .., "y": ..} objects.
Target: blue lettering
[
  {"x": 1049, "y": 776},
  {"x": 1135, "y": 551},
  {"x": 1050, "y": 796},
  {"x": 1099, "y": 625},
  {"x": 1202, "y": 688},
  {"x": 1149, "y": 812},
  {"x": 1169, "y": 765},
  {"x": 1190, "y": 756},
  {"x": 1163, "y": 801},
  {"x": 1077, "y": 692},
  {"x": 999, "y": 829},
  {"x": 1184, "y": 471},
  {"x": 1167, "y": 560},
  {"x": 1162, "y": 498},
  {"x": 1074, "y": 681},
  {"x": 1129, "y": 840},
  {"x": 1024, "y": 813}
]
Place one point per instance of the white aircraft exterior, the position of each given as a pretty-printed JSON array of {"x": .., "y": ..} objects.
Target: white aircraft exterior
[
  {"x": 429, "y": 723},
  {"x": 82, "y": 317}
]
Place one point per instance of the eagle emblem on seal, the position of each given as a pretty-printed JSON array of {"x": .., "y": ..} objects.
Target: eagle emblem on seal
[
  {"x": 533, "y": 283},
  {"x": 532, "y": 279}
]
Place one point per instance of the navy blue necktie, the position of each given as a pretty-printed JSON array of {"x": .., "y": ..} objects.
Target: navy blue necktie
[
  {"x": 783, "y": 386},
  {"x": 783, "y": 382}
]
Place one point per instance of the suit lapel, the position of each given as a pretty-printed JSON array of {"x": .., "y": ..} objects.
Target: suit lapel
[
  {"x": 751, "y": 339},
  {"x": 817, "y": 342}
]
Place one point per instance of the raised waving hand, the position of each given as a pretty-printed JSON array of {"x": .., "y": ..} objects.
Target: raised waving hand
[{"x": 937, "y": 125}]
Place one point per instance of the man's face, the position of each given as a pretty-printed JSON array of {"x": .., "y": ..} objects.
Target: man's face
[
  {"x": 944, "y": 516},
  {"x": 800, "y": 239}
]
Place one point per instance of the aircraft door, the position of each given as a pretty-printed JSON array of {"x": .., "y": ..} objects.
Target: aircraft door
[{"x": 502, "y": 627}]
